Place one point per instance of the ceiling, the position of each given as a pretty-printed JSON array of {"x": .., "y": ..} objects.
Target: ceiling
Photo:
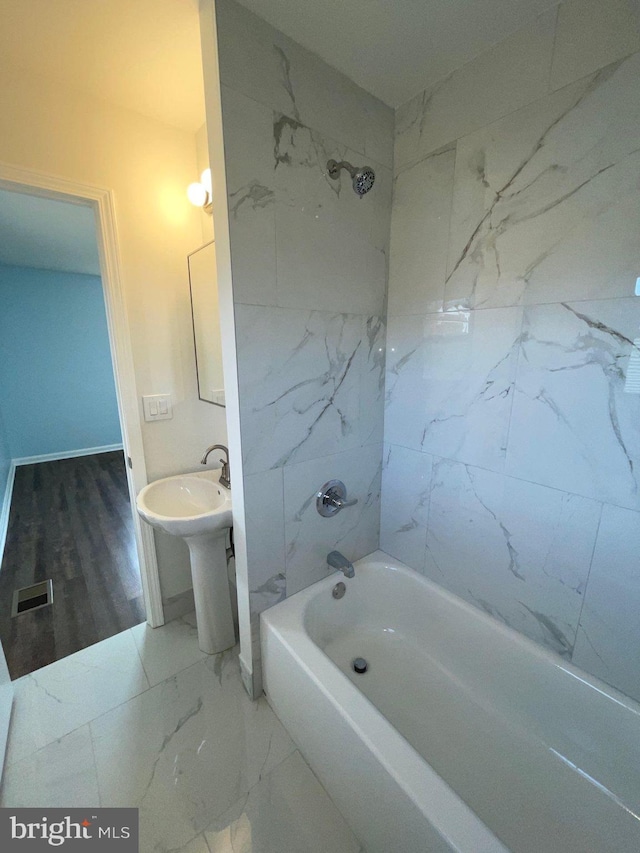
[
  {"x": 46, "y": 234},
  {"x": 396, "y": 48},
  {"x": 143, "y": 55}
]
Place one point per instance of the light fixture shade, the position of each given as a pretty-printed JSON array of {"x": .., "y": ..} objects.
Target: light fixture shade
[
  {"x": 197, "y": 194},
  {"x": 205, "y": 180}
]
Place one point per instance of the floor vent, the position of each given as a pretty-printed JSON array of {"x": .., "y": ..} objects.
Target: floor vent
[{"x": 32, "y": 597}]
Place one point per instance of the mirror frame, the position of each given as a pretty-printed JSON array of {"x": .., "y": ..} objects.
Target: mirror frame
[{"x": 193, "y": 323}]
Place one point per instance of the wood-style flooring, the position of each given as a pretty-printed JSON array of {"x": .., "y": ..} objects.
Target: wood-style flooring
[{"x": 70, "y": 521}]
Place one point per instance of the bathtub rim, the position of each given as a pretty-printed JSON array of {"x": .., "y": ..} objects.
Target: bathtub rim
[
  {"x": 440, "y": 805},
  {"x": 438, "y": 802},
  {"x": 300, "y": 600}
]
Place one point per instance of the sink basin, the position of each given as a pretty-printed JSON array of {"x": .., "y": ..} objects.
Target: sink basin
[
  {"x": 187, "y": 505},
  {"x": 198, "y": 509}
]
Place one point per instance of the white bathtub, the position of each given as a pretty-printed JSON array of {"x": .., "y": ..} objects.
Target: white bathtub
[{"x": 462, "y": 735}]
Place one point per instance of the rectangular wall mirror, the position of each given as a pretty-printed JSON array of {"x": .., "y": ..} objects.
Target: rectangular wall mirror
[{"x": 205, "y": 312}]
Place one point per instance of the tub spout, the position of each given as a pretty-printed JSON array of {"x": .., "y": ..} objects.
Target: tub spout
[{"x": 338, "y": 561}]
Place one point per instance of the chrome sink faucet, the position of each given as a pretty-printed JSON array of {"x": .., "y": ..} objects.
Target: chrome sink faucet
[
  {"x": 225, "y": 474},
  {"x": 338, "y": 561}
]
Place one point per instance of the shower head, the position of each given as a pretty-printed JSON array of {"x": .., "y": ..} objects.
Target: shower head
[{"x": 362, "y": 177}]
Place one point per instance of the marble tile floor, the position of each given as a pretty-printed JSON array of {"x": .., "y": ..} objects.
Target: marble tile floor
[{"x": 145, "y": 719}]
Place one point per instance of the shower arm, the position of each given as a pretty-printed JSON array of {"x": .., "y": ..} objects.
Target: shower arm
[{"x": 335, "y": 167}]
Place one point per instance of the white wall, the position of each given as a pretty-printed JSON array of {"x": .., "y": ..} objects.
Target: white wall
[
  {"x": 512, "y": 445},
  {"x": 148, "y": 166}
]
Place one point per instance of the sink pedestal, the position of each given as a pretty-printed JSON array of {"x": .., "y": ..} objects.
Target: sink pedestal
[
  {"x": 198, "y": 509},
  {"x": 214, "y": 615}
]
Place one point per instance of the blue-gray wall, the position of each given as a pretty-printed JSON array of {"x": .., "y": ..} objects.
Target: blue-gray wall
[{"x": 56, "y": 380}]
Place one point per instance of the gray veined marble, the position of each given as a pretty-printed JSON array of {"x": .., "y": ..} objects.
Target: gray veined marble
[
  {"x": 269, "y": 593},
  {"x": 591, "y": 34},
  {"x": 501, "y": 80},
  {"x": 420, "y": 234},
  {"x": 300, "y": 155},
  {"x": 315, "y": 394},
  {"x": 609, "y": 623},
  {"x": 193, "y": 753},
  {"x": 251, "y": 197},
  {"x": 575, "y": 423},
  {"x": 286, "y": 212},
  {"x": 354, "y": 531},
  {"x": 546, "y": 207},
  {"x": 450, "y": 383},
  {"x": 519, "y": 551},
  {"x": 287, "y": 811},
  {"x": 406, "y": 491},
  {"x": 264, "y": 64},
  {"x": 264, "y": 520},
  {"x": 324, "y": 267},
  {"x": 192, "y": 746}
]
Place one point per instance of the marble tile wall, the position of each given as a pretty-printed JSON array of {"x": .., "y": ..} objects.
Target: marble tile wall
[
  {"x": 512, "y": 420},
  {"x": 309, "y": 264}
]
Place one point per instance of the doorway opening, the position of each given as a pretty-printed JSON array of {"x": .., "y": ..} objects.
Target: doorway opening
[{"x": 69, "y": 429}]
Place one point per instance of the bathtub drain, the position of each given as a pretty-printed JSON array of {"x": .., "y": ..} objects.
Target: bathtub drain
[{"x": 360, "y": 666}]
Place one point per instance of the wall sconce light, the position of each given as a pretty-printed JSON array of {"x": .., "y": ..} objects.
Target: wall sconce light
[{"x": 201, "y": 194}]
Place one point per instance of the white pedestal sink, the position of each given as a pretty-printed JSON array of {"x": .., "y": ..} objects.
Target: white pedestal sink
[{"x": 197, "y": 508}]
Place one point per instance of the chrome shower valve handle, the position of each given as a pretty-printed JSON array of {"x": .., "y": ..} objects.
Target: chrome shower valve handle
[{"x": 332, "y": 497}]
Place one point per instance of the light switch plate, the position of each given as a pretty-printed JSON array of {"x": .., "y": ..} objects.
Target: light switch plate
[{"x": 157, "y": 407}]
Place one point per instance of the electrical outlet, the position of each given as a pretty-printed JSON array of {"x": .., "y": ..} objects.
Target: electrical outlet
[{"x": 157, "y": 407}]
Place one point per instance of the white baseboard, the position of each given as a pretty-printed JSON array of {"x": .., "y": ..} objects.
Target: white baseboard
[
  {"x": 65, "y": 454},
  {"x": 6, "y": 506}
]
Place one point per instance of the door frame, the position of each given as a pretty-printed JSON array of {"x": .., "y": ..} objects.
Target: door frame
[{"x": 101, "y": 201}]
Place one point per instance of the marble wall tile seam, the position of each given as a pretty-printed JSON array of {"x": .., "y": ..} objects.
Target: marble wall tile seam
[
  {"x": 296, "y": 123},
  {"x": 258, "y": 59},
  {"x": 451, "y": 143},
  {"x": 608, "y": 631},
  {"x": 426, "y": 95},
  {"x": 306, "y": 400},
  {"x": 355, "y": 531},
  {"x": 568, "y": 495},
  {"x": 502, "y": 473},
  {"x": 586, "y": 585},
  {"x": 510, "y": 477},
  {"x": 477, "y": 270},
  {"x": 459, "y": 305},
  {"x": 287, "y": 120},
  {"x": 518, "y": 357},
  {"x": 320, "y": 311},
  {"x": 372, "y": 442},
  {"x": 496, "y": 67},
  {"x": 411, "y": 523},
  {"x": 437, "y": 152},
  {"x": 536, "y": 585},
  {"x": 554, "y": 47},
  {"x": 360, "y": 94},
  {"x": 590, "y": 39},
  {"x": 575, "y": 364},
  {"x": 268, "y": 592}
]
